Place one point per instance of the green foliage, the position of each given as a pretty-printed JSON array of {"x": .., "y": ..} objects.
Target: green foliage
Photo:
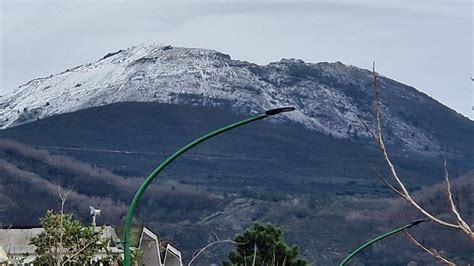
[
  {"x": 116, "y": 258},
  {"x": 263, "y": 245},
  {"x": 136, "y": 255},
  {"x": 65, "y": 239}
]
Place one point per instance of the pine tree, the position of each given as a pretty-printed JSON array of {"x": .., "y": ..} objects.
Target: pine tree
[{"x": 263, "y": 245}]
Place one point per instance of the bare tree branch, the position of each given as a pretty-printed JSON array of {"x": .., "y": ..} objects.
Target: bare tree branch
[
  {"x": 403, "y": 189},
  {"x": 217, "y": 237},
  {"x": 433, "y": 253},
  {"x": 381, "y": 177},
  {"x": 77, "y": 253},
  {"x": 367, "y": 128},
  {"x": 63, "y": 198},
  {"x": 198, "y": 252},
  {"x": 254, "y": 254},
  {"x": 464, "y": 226}
]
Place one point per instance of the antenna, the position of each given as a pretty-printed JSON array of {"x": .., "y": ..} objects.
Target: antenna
[{"x": 94, "y": 212}]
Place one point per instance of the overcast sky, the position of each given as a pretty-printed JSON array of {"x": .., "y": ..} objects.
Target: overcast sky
[{"x": 426, "y": 44}]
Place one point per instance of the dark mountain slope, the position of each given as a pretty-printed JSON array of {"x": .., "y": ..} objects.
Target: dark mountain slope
[
  {"x": 276, "y": 172},
  {"x": 131, "y": 138}
]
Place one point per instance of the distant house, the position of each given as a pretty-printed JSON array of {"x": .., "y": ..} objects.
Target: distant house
[{"x": 15, "y": 247}]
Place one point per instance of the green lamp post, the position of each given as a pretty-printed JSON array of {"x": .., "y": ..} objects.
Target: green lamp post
[
  {"x": 359, "y": 249},
  {"x": 159, "y": 168}
]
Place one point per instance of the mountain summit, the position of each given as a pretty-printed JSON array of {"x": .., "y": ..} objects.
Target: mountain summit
[{"x": 329, "y": 97}]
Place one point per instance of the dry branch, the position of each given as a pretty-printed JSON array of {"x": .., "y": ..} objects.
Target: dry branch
[
  {"x": 254, "y": 254},
  {"x": 63, "y": 198},
  {"x": 384, "y": 180},
  {"x": 433, "y": 252},
  {"x": 198, "y": 252},
  {"x": 402, "y": 191},
  {"x": 464, "y": 226}
]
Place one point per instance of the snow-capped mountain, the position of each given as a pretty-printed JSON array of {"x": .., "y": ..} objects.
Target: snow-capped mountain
[{"x": 329, "y": 97}]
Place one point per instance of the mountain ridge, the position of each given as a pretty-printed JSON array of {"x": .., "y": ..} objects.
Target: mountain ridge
[{"x": 330, "y": 97}]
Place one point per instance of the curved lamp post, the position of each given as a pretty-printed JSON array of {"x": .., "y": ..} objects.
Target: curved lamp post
[
  {"x": 152, "y": 176},
  {"x": 359, "y": 249}
]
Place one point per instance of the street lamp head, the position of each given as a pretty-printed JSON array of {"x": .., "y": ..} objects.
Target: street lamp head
[
  {"x": 419, "y": 221},
  {"x": 279, "y": 110}
]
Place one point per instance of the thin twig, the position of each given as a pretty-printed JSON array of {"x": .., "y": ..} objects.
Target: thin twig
[
  {"x": 433, "y": 253},
  {"x": 367, "y": 128},
  {"x": 254, "y": 254},
  {"x": 78, "y": 252},
  {"x": 284, "y": 260},
  {"x": 381, "y": 177},
  {"x": 63, "y": 198},
  {"x": 217, "y": 237},
  {"x": 464, "y": 226},
  {"x": 378, "y": 124},
  {"x": 200, "y": 251}
]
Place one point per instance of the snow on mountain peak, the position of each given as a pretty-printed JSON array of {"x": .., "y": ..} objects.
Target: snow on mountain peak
[{"x": 329, "y": 97}]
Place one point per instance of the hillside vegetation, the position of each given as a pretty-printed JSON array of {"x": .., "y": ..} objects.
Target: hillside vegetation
[{"x": 321, "y": 190}]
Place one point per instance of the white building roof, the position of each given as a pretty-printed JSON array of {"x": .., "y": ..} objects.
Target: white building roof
[{"x": 16, "y": 241}]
